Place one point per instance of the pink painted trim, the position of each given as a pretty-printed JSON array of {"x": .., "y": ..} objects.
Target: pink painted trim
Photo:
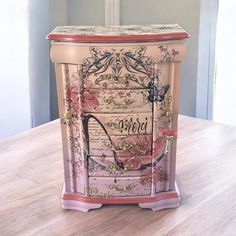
[
  {"x": 161, "y": 201},
  {"x": 125, "y": 200},
  {"x": 117, "y": 38}
]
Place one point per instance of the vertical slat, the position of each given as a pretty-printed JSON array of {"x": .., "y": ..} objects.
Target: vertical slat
[
  {"x": 174, "y": 124},
  {"x": 171, "y": 77},
  {"x": 68, "y": 168},
  {"x": 168, "y": 158},
  {"x": 154, "y": 134},
  {"x": 73, "y": 181},
  {"x": 77, "y": 157},
  {"x": 83, "y": 145},
  {"x": 67, "y": 82}
]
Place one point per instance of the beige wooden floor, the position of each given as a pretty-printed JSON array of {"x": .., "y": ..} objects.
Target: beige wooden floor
[{"x": 31, "y": 178}]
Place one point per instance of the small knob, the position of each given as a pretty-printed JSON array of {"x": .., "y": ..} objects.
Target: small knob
[
  {"x": 170, "y": 138},
  {"x": 169, "y": 114}
]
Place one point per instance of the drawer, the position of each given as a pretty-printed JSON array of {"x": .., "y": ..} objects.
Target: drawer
[
  {"x": 118, "y": 124},
  {"x": 117, "y": 187},
  {"x": 124, "y": 81},
  {"x": 116, "y": 100},
  {"x": 125, "y": 146},
  {"x": 106, "y": 166}
]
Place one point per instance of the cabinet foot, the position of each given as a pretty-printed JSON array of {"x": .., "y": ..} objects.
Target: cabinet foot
[
  {"x": 162, "y": 200},
  {"x": 80, "y": 206},
  {"x": 165, "y": 201}
]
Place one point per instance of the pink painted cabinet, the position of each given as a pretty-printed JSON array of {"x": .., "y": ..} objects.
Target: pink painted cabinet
[{"x": 118, "y": 92}]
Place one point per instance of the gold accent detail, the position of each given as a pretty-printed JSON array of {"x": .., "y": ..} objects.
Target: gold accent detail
[
  {"x": 169, "y": 114},
  {"x": 126, "y": 168},
  {"x": 92, "y": 190},
  {"x": 67, "y": 115},
  {"x": 125, "y": 189},
  {"x": 134, "y": 149},
  {"x": 170, "y": 138},
  {"x": 126, "y": 102}
]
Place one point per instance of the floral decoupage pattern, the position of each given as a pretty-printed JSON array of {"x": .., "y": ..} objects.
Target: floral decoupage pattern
[
  {"x": 117, "y": 30},
  {"x": 119, "y": 83},
  {"x": 116, "y": 101}
]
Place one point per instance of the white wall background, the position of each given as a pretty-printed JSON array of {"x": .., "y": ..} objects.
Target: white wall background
[
  {"x": 225, "y": 90},
  {"x": 87, "y": 12},
  {"x": 27, "y": 91},
  {"x": 39, "y": 67},
  {"x": 15, "y": 115}
]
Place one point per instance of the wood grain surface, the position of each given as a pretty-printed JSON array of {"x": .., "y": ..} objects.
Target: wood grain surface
[{"x": 31, "y": 178}]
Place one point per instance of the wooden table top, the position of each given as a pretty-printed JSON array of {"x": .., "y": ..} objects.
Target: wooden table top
[{"x": 31, "y": 178}]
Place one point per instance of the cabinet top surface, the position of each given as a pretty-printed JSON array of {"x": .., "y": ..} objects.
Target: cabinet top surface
[{"x": 124, "y": 33}]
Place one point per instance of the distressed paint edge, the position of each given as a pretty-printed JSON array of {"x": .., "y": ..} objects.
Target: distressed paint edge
[{"x": 119, "y": 38}]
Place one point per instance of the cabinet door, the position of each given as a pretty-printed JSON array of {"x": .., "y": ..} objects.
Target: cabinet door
[
  {"x": 121, "y": 117},
  {"x": 165, "y": 115},
  {"x": 118, "y": 106}
]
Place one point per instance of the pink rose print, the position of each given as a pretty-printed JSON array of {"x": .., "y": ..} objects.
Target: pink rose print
[
  {"x": 90, "y": 100},
  {"x": 133, "y": 163},
  {"x": 103, "y": 158},
  {"x": 160, "y": 144},
  {"x": 158, "y": 175},
  {"x": 167, "y": 132},
  {"x": 134, "y": 145},
  {"x": 159, "y": 147},
  {"x": 88, "y": 83},
  {"x": 77, "y": 168},
  {"x": 73, "y": 93}
]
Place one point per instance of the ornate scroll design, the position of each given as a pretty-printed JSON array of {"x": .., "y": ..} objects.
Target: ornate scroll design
[{"x": 133, "y": 60}]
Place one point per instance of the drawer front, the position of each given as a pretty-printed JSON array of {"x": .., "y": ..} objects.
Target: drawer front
[
  {"x": 118, "y": 124},
  {"x": 117, "y": 187},
  {"x": 121, "y": 146},
  {"x": 106, "y": 166},
  {"x": 113, "y": 101},
  {"x": 126, "y": 80}
]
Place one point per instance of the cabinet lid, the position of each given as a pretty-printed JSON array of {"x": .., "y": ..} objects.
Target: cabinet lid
[{"x": 124, "y": 33}]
